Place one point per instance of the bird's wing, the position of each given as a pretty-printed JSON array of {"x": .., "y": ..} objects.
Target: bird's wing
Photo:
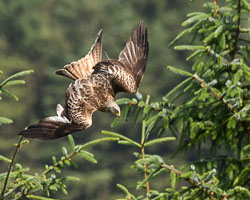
[
  {"x": 51, "y": 128},
  {"x": 134, "y": 55},
  {"x": 125, "y": 74},
  {"x": 83, "y": 68}
]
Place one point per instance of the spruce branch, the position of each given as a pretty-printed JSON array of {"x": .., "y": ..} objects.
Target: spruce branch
[
  {"x": 225, "y": 62},
  {"x": 215, "y": 8},
  {"x": 195, "y": 181},
  {"x": 233, "y": 53},
  {"x": 77, "y": 150},
  {"x": 18, "y": 145},
  {"x": 203, "y": 84},
  {"x": 143, "y": 151}
]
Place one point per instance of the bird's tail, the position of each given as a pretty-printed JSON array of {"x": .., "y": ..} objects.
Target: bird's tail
[
  {"x": 83, "y": 68},
  {"x": 51, "y": 127}
]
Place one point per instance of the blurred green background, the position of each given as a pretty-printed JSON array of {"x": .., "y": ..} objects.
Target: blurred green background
[{"x": 44, "y": 35}]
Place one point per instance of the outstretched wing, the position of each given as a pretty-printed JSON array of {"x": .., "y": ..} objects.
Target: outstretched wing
[
  {"x": 83, "y": 68},
  {"x": 125, "y": 74},
  {"x": 134, "y": 57},
  {"x": 50, "y": 128}
]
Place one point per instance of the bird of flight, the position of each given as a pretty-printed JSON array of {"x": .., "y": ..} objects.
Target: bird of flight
[{"x": 96, "y": 83}]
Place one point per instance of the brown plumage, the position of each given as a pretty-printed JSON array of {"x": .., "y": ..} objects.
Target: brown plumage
[{"x": 96, "y": 84}]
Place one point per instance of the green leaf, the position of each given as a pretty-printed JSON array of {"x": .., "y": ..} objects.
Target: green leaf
[
  {"x": 150, "y": 127},
  {"x": 246, "y": 5},
  {"x": 125, "y": 190},
  {"x": 138, "y": 95},
  {"x": 151, "y": 120},
  {"x": 73, "y": 164},
  {"x": 173, "y": 179},
  {"x": 123, "y": 101},
  {"x": 179, "y": 71},
  {"x": 190, "y": 47},
  {"x": 62, "y": 187},
  {"x": 14, "y": 82},
  {"x": 115, "y": 122},
  {"x": 209, "y": 38},
  {"x": 14, "y": 76},
  {"x": 88, "y": 156},
  {"x": 159, "y": 140},
  {"x": 198, "y": 16},
  {"x": 138, "y": 113},
  {"x": 218, "y": 31},
  {"x": 64, "y": 150},
  {"x": 142, "y": 183},
  {"x": 4, "y": 120},
  {"x": 3, "y": 158},
  {"x": 71, "y": 142},
  {"x": 125, "y": 112},
  {"x": 57, "y": 169},
  {"x": 93, "y": 142},
  {"x": 243, "y": 176},
  {"x": 196, "y": 53},
  {"x": 175, "y": 92},
  {"x": 245, "y": 152},
  {"x": 179, "y": 36},
  {"x": 54, "y": 160},
  {"x": 9, "y": 94},
  {"x": 23, "y": 142},
  {"x": 124, "y": 142},
  {"x": 30, "y": 196},
  {"x": 70, "y": 178},
  {"x": 122, "y": 137},
  {"x": 180, "y": 124}
]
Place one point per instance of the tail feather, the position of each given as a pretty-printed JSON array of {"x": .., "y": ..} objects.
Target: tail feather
[
  {"x": 49, "y": 128},
  {"x": 83, "y": 68}
]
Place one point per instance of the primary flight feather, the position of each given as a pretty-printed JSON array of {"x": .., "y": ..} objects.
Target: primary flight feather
[{"x": 96, "y": 83}]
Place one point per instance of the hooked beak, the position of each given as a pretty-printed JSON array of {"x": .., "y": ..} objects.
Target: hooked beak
[{"x": 118, "y": 114}]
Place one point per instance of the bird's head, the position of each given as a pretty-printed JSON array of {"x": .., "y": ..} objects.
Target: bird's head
[{"x": 114, "y": 108}]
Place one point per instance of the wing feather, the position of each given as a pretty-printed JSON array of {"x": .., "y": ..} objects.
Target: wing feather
[
  {"x": 135, "y": 53},
  {"x": 83, "y": 68},
  {"x": 133, "y": 59},
  {"x": 126, "y": 73}
]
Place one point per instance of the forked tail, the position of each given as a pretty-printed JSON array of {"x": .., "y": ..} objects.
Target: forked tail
[{"x": 51, "y": 127}]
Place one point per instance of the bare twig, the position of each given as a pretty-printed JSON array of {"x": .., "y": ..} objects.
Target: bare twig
[
  {"x": 145, "y": 171},
  {"x": 143, "y": 151},
  {"x": 233, "y": 53},
  {"x": 10, "y": 166},
  {"x": 215, "y": 7}
]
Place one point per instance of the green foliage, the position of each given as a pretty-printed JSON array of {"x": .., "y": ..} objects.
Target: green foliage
[
  {"x": 215, "y": 110},
  {"x": 22, "y": 184},
  {"x": 11, "y": 81}
]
